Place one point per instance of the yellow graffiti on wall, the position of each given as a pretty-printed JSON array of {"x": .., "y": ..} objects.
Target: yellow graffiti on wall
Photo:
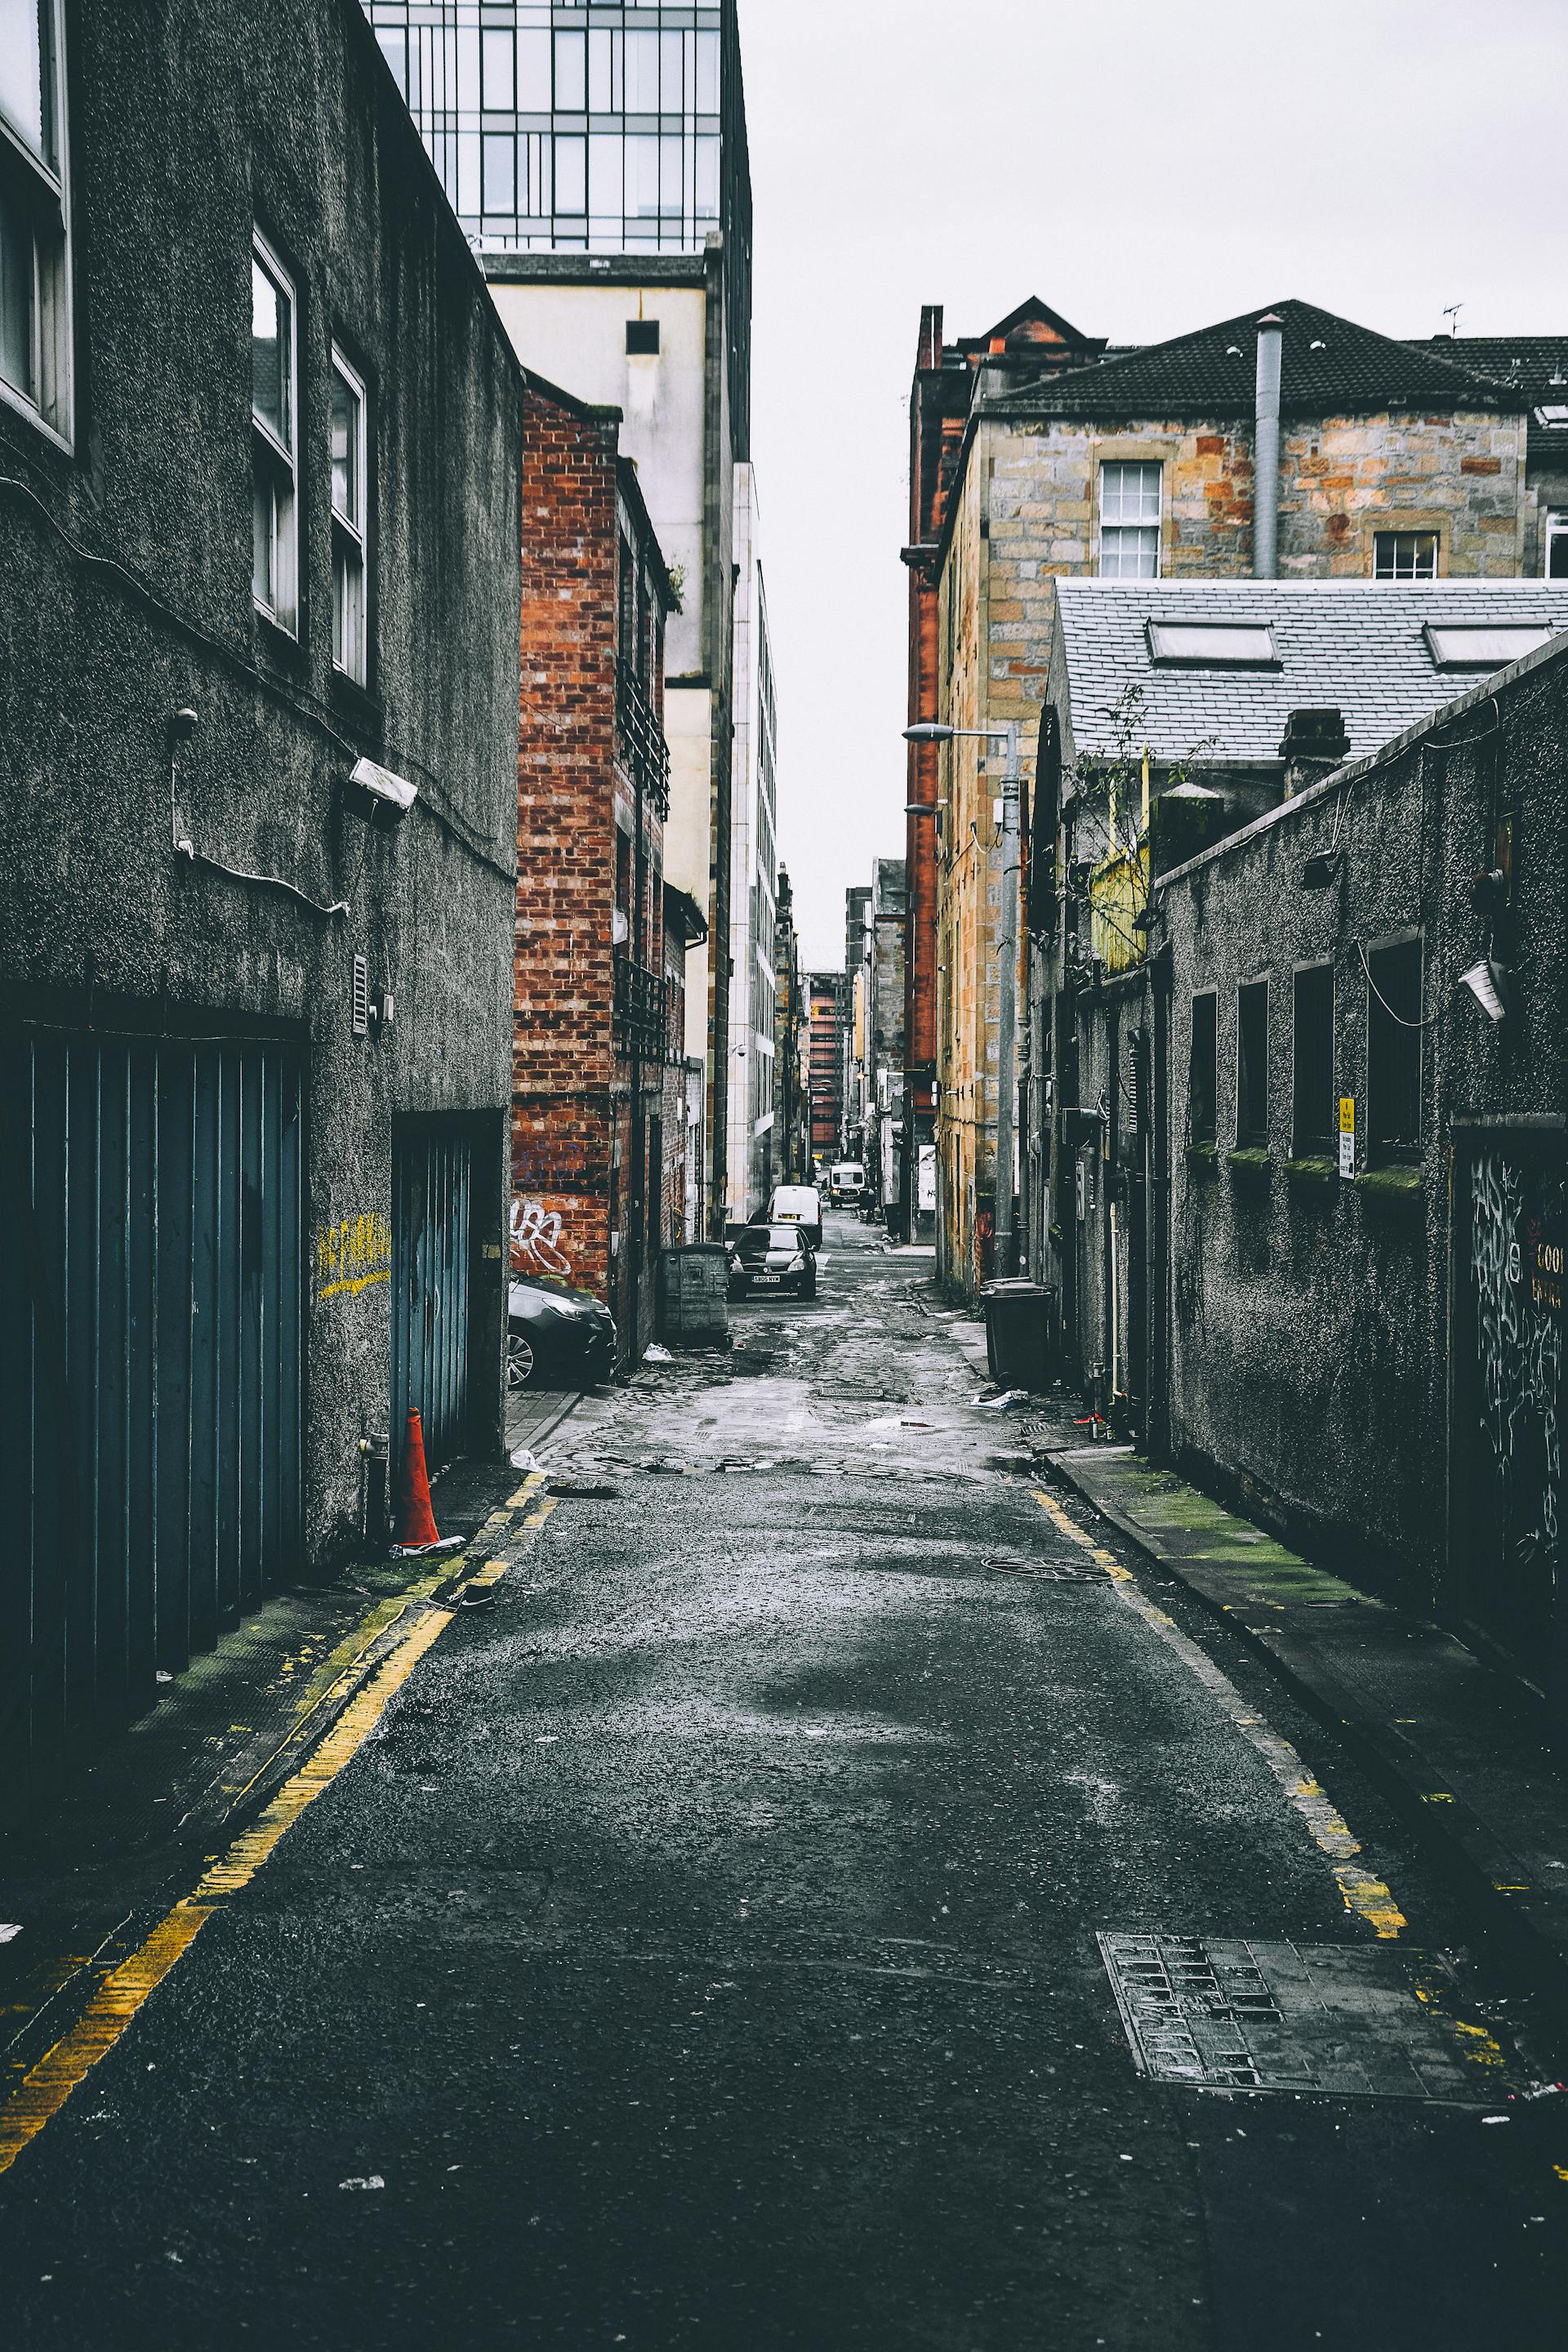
[{"x": 352, "y": 1255}]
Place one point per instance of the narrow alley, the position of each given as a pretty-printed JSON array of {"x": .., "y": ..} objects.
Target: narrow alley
[{"x": 725, "y": 1938}]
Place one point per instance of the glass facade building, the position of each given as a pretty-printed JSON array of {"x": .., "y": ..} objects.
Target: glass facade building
[
  {"x": 568, "y": 128},
  {"x": 571, "y": 126}
]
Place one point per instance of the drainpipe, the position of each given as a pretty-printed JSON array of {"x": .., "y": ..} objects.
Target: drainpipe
[
  {"x": 1266, "y": 452},
  {"x": 1007, "y": 1007}
]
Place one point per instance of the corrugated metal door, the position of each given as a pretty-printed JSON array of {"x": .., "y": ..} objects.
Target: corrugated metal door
[
  {"x": 432, "y": 1182},
  {"x": 149, "y": 1379}
]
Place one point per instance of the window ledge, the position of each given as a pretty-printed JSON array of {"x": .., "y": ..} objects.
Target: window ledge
[
  {"x": 1310, "y": 1172},
  {"x": 1249, "y": 1160},
  {"x": 1203, "y": 1155},
  {"x": 1392, "y": 1187}
]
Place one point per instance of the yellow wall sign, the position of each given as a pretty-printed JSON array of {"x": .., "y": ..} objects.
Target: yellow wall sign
[
  {"x": 352, "y": 1255},
  {"x": 1347, "y": 1135}
]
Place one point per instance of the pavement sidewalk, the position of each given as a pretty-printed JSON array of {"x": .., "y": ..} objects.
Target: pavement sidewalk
[{"x": 1458, "y": 1742}]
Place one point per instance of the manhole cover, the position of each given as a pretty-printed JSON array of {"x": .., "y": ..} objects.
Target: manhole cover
[{"x": 1224, "y": 2014}]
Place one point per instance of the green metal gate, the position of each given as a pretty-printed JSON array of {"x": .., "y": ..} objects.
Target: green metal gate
[
  {"x": 150, "y": 1368},
  {"x": 432, "y": 1189}
]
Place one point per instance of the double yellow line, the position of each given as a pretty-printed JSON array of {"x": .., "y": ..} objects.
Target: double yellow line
[{"x": 41, "y": 2095}]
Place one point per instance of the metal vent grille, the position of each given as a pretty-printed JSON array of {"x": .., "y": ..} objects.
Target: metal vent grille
[{"x": 361, "y": 997}]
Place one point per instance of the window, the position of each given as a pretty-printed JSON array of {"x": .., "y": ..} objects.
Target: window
[
  {"x": 1312, "y": 1043},
  {"x": 1130, "y": 521},
  {"x": 274, "y": 379},
  {"x": 1394, "y": 1052},
  {"x": 642, "y": 337},
  {"x": 1202, "y": 1071},
  {"x": 35, "y": 272},
  {"x": 1555, "y": 566},
  {"x": 1405, "y": 555},
  {"x": 351, "y": 451},
  {"x": 499, "y": 50},
  {"x": 1252, "y": 1066}
]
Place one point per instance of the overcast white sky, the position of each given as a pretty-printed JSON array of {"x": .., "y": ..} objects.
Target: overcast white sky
[{"x": 1143, "y": 168}]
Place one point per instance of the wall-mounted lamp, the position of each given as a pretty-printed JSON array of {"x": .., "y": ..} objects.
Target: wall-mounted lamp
[
  {"x": 1488, "y": 982},
  {"x": 375, "y": 792}
]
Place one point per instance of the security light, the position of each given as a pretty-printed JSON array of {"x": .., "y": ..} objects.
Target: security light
[
  {"x": 929, "y": 730},
  {"x": 1488, "y": 984},
  {"x": 376, "y": 793}
]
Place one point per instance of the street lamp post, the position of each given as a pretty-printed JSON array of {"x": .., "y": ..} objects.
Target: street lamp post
[{"x": 932, "y": 730}]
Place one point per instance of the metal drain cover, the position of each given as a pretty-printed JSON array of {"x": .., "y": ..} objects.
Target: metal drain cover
[{"x": 1365, "y": 2022}]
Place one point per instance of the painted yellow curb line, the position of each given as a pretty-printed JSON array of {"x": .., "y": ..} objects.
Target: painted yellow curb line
[
  {"x": 1361, "y": 1893},
  {"x": 44, "y": 2092}
]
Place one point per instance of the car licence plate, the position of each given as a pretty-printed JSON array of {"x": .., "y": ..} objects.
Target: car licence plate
[{"x": 761, "y": 1278}]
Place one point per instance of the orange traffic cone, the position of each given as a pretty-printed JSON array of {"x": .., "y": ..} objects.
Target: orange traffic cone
[{"x": 416, "y": 1519}]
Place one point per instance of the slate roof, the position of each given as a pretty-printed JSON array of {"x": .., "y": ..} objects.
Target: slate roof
[
  {"x": 1525, "y": 363},
  {"x": 1327, "y": 363},
  {"x": 1355, "y": 645}
]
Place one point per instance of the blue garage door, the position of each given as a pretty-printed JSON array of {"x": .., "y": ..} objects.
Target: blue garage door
[
  {"x": 149, "y": 1379},
  {"x": 432, "y": 1184}
]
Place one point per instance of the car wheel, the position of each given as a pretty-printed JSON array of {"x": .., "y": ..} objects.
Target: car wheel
[{"x": 522, "y": 1364}]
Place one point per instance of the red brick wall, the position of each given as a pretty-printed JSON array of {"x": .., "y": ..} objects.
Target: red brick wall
[
  {"x": 573, "y": 1129},
  {"x": 562, "y": 1065}
]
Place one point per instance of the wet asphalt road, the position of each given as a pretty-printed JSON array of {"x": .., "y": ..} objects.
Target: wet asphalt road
[{"x": 702, "y": 1952}]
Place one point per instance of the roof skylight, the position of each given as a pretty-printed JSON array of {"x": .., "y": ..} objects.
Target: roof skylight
[
  {"x": 1213, "y": 645},
  {"x": 1483, "y": 645}
]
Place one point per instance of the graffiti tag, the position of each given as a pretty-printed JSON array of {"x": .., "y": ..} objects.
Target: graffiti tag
[
  {"x": 352, "y": 1255},
  {"x": 536, "y": 1239},
  {"x": 1515, "y": 1271}
]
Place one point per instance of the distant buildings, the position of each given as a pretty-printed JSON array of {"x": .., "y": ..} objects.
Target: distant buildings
[
  {"x": 828, "y": 993},
  {"x": 792, "y": 1043},
  {"x": 875, "y": 1072},
  {"x": 260, "y": 592}
]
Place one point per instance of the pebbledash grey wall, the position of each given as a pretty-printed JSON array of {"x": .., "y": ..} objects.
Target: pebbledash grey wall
[
  {"x": 125, "y": 596},
  {"x": 1309, "y": 1360}
]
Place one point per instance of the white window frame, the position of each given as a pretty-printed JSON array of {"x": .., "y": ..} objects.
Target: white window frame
[
  {"x": 350, "y": 542},
  {"x": 44, "y": 210},
  {"x": 1555, "y": 528},
  {"x": 1114, "y": 530},
  {"x": 1416, "y": 531},
  {"x": 275, "y": 463}
]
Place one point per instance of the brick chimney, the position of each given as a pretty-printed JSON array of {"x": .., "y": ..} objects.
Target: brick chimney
[{"x": 1313, "y": 743}]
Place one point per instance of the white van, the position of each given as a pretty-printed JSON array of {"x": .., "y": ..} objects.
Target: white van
[
  {"x": 847, "y": 1183},
  {"x": 799, "y": 1204}
]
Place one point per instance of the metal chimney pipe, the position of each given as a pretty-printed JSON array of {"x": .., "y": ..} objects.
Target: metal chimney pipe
[{"x": 1266, "y": 452}]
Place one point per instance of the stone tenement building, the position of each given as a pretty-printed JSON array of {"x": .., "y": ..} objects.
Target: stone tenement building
[
  {"x": 597, "y": 1120},
  {"x": 259, "y": 540},
  {"x": 1290, "y": 444}
]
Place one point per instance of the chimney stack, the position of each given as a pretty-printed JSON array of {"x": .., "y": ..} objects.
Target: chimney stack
[
  {"x": 1266, "y": 452},
  {"x": 1314, "y": 744}
]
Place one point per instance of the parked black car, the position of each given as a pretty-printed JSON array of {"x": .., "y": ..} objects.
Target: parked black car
[
  {"x": 556, "y": 1336},
  {"x": 772, "y": 1258}
]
